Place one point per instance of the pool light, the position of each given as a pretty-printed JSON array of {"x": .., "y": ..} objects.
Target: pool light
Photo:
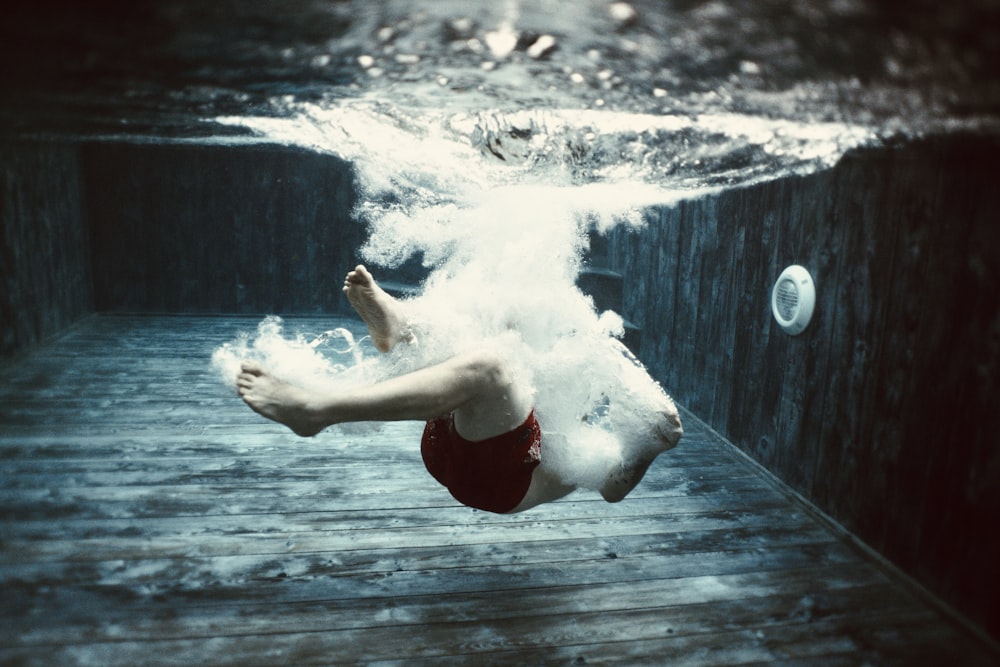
[{"x": 793, "y": 299}]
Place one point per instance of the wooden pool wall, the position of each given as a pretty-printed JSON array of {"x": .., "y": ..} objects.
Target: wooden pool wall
[{"x": 882, "y": 413}]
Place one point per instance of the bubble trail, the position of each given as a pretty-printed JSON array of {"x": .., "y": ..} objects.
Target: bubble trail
[{"x": 499, "y": 206}]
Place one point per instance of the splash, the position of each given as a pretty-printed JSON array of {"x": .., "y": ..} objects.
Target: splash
[
  {"x": 330, "y": 361},
  {"x": 499, "y": 207},
  {"x": 431, "y": 155}
]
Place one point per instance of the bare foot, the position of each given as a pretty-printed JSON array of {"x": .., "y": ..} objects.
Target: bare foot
[
  {"x": 379, "y": 310},
  {"x": 277, "y": 400}
]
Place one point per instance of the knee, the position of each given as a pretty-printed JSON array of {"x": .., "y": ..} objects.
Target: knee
[
  {"x": 488, "y": 368},
  {"x": 669, "y": 428},
  {"x": 618, "y": 485}
]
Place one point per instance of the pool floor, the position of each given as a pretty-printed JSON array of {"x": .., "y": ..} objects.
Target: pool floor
[{"x": 150, "y": 518}]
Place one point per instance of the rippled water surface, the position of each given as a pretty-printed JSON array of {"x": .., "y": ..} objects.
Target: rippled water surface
[
  {"x": 159, "y": 67},
  {"x": 687, "y": 92}
]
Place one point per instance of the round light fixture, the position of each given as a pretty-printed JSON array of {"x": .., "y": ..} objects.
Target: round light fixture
[{"x": 793, "y": 299}]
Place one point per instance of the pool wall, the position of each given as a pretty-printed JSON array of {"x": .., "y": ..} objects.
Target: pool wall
[
  {"x": 45, "y": 278},
  {"x": 883, "y": 413},
  {"x": 211, "y": 229},
  {"x": 126, "y": 227}
]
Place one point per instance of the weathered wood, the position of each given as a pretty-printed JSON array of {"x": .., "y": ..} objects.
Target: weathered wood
[
  {"x": 346, "y": 531},
  {"x": 45, "y": 275},
  {"x": 228, "y": 540},
  {"x": 883, "y": 411},
  {"x": 205, "y": 619},
  {"x": 414, "y": 491},
  {"x": 201, "y": 229}
]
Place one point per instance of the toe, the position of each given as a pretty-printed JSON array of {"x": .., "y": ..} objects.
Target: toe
[
  {"x": 251, "y": 368},
  {"x": 363, "y": 275}
]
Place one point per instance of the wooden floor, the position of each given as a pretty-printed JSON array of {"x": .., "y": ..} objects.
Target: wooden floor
[{"x": 149, "y": 518}]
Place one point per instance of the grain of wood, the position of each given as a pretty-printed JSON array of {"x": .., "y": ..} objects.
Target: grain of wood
[{"x": 149, "y": 518}]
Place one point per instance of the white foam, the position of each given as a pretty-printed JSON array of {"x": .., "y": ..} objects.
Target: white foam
[
  {"x": 504, "y": 240},
  {"x": 331, "y": 360}
]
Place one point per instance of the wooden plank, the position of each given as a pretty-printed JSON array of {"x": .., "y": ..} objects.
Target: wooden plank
[
  {"x": 226, "y": 540},
  {"x": 335, "y": 448},
  {"x": 39, "y": 542},
  {"x": 188, "y": 227},
  {"x": 427, "y": 640},
  {"x": 196, "y": 500},
  {"x": 668, "y": 597},
  {"x": 350, "y": 533},
  {"x": 269, "y": 467},
  {"x": 840, "y": 641},
  {"x": 390, "y": 576},
  {"x": 800, "y": 393},
  {"x": 45, "y": 276}
]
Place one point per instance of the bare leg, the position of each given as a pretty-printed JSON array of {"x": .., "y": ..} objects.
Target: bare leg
[
  {"x": 383, "y": 314},
  {"x": 477, "y": 387},
  {"x": 545, "y": 487}
]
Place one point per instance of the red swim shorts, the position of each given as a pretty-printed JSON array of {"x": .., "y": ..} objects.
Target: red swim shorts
[{"x": 493, "y": 474}]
